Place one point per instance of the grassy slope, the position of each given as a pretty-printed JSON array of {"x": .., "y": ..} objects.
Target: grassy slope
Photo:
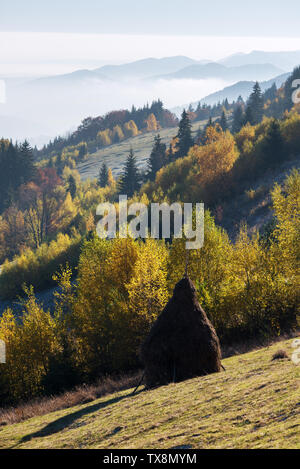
[
  {"x": 115, "y": 155},
  {"x": 254, "y": 404}
]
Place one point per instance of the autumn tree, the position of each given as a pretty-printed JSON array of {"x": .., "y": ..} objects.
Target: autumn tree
[
  {"x": 12, "y": 233},
  {"x": 151, "y": 123},
  {"x": 101, "y": 313},
  {"x": 117, "y": 134},
  {"x": 104, "y": 137},
  {"x": 110, "y": 178},
  {"x": 213, "y": 161},
  {"x": 147, "y": 290},
  {"x": 31, "y": 342},
  {"x": 47, "y": 206},
  {"x": 286, "y": 207},
  {"x": 130, "y": 129}
]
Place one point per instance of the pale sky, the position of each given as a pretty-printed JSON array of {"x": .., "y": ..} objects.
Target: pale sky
[
  {"x": 59, "y": 36},
  {"x": 196, "y": 17},
  {"x": 52, "y": 53}
]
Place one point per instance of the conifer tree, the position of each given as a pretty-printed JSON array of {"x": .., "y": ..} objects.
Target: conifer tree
[
  {"x": 72, "y": 186},
  {"x": 255, "y": 105},
  {"x": 103, "y": 176},
  {"x": 26, "y": 162},
  {"x": 157, "y": 158},
  {"x": 185, "y": 141},
  {"x": 237, "y": 119},
  {"x": 16, "y": 168},
  {"x": 248, "y": 117},
  {"x": 270, "y": 93},
  {"x": 223, "y": 121},
  {"x": 130, "y": 179},
  {"x": 274, "y": 145},
  {"x": 226, "y": 104}
]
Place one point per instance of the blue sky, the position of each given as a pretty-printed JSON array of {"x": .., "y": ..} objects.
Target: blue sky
[{"x": 194, "y": 17}]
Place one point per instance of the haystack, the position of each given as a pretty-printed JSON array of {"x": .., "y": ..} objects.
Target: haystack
[{"x": 182, "y": 343}]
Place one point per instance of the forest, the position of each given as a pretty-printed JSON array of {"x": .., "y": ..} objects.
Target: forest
[{"x": 109, "y": 292}]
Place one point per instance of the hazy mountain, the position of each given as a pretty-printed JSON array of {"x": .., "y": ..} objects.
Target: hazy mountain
[
  {"x": 58, "y": 103},
  {"x": 215, "y": 70},
  {"x": 242, "y": 88},
  {"x": 79, "y": 76},
  {"x": 284, "y": 60},
  {"x": 140, "y": 69},
  {"x": 146, "y": 67}
]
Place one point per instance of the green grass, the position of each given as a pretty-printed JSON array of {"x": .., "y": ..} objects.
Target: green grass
[
  {"x": 115, "y": 155},
  {"x": 254, "y": 404}
]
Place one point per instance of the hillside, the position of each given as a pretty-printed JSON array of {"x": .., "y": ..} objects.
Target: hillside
[
  {"x": 232, "y": 92},
  {"x": 254, "y": 404},
  {"x": 115, "y": 155},
  {"x": 215, "y": 70},
  {"x": 253, "y": 205},
  {"x": 285, "y": 59}
]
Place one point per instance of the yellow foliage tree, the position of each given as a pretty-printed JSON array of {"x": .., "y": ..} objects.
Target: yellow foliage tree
[
  {"x": 117, "y": 134},
  {"x": 130, "y": 129},
  {"x": 245, "y": 138},
  {"x": 30, "y": 347},
  {"x": 151, "y": 123},
  {"x": 215, "y": 159},
  {"x": 286, "y": 206},
  {"x": 104, "y": 137},
  {"x": 110, "y": 178},
  {"x": 148, "y": 292}
]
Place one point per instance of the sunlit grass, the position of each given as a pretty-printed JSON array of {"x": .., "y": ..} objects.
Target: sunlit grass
[
  {"x": 115, "y": 155},
  {"x": 254, "y": 404}
]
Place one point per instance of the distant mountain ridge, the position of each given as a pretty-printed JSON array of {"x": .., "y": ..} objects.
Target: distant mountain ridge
[
  {"x": 146, "y": 67},
  {"x": 168, "y": 68},
  {"x": 216, "y": 70},
  {"x": 286, "y": 60},
  {"x": 139, "y": 69}
]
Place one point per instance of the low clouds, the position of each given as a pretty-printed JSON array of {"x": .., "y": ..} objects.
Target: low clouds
[{"x": 56, "y": 108}]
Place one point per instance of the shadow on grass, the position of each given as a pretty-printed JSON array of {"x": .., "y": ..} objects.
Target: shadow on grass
[{"x": 68, "y": 420}]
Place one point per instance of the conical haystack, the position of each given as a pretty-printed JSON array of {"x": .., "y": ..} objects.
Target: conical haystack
[{"x": 182, "y": 343}]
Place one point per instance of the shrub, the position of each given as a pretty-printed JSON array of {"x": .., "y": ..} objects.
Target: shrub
[{"x": 37, "y": 267}]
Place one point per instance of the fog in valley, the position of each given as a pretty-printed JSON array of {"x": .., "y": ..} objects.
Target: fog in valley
[{"x": 39, "y": 111}]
